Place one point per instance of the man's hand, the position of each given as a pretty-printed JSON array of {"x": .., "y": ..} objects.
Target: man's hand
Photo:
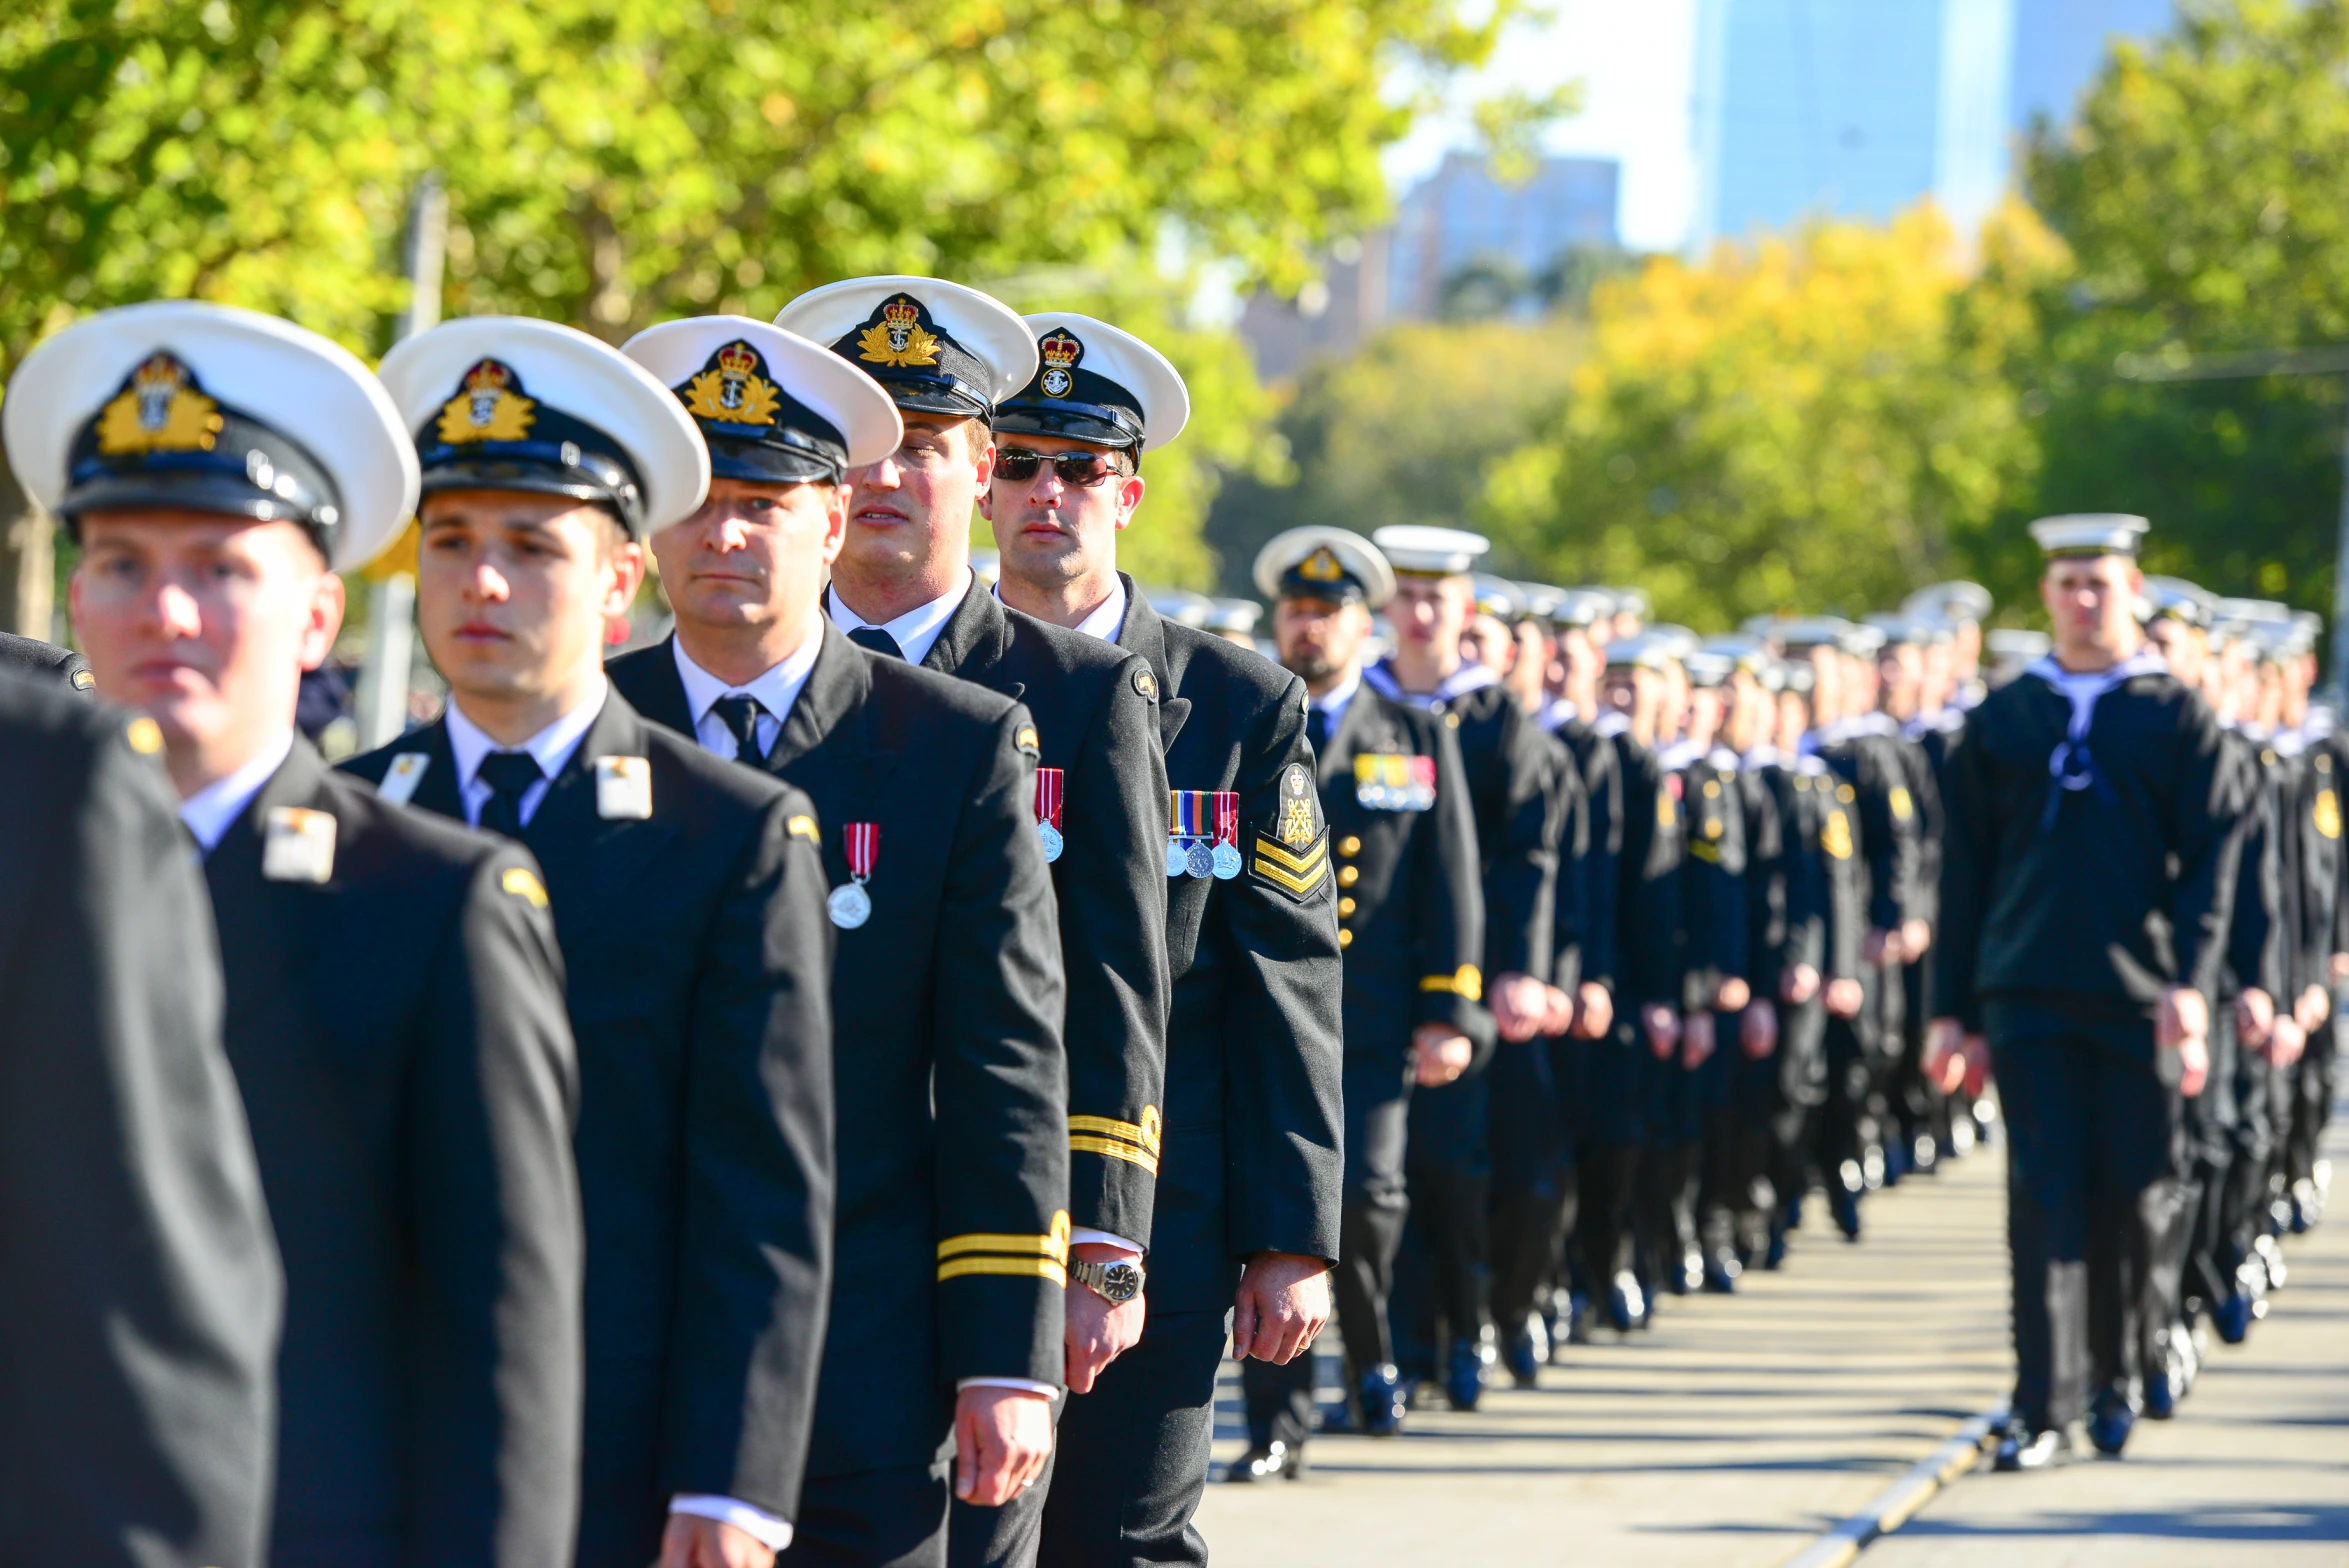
[
  {"x": 1439, "y": 1055},
  {"x": 689, "y": 1541},
  {"x": 1880, "y": 946},
  {"x": 2313, "y": 1008},
  {"x": 1558, "y": 1014},
  {"x": 2183, "y": 1025},
  {"x": 1955, "y": 1059},
  {"x": 1915, "y": 938},
  {"x": 1283, "y": 1301},
  {"x": 1798, "y": 985},
  {"x": 1696, "y": 1040},
  {"x": 1662, "y": 1027},
  {"x": 1844, "y": 998},
  {"x": 1594, "y": 1013},
  {"x": 1757, "y": 1031},
  {"x": 1731, "y": 995},
  {"x": 2287, "y": 1042},
  {"x": 1002, "y": 1436},
  {"x": 2255, "y": 1018},
  {"x": 1098, "y": 1331},
  {"x": 2338, "y": 970},
  {"x": 1518, "y": 1004}
]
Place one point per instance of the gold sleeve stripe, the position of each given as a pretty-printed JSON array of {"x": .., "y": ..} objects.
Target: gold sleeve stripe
[
  {"x": 1146, "y": 1134},
  {"x": 1024, "y": 1268},
  {"x": 1078, "y": 1143},
  {"x": 804, "y": 827},
  {"x": 1301, "y": 865},
  {"x": 985, "y": 1241},
  {"x": 1299, "y": 885},
  {"x": 1468, "y": 983}
]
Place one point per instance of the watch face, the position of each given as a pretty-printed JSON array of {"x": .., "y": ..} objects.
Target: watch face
[{"x": 1121, "y": 1282}]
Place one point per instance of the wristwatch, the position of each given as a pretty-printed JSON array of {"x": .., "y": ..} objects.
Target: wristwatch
[{"x": 1116, "y": 1283}]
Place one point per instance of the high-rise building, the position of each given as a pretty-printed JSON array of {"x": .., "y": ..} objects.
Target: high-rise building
[{"x": 1858, "y": 108}]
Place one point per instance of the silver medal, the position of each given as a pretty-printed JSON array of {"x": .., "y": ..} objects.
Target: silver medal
[
  {"x": 1200, "y": 862},
  {"x": 1177, "y": 861},
  {"x": 1227, "y": 861},
  {"x": 1050, "y": 837},
  {"x": 850, "y": 906}
]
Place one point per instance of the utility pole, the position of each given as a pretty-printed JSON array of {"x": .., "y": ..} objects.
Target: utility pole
[
  {"x": 391, "y": 595},
  {"x": 2253, "y": 364}
]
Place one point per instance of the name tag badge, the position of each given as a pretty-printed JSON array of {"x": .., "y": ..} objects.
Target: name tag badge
[
  {"x": 401, "y": 778},
  {"x": 298, "y": 846},
  {"x": 623, "y": 788}
]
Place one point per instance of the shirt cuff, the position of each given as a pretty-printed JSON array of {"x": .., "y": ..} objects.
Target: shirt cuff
[
  {"x": 772, "y": 1533},
  {"x": 1025, "y": 1384},
  {"x": 1083, "y": 1236}
]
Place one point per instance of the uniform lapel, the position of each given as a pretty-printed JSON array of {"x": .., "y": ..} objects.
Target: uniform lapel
[
  {"x": 437, "y": 790},
  {"x": 660, "y": 695},
  {"x": 235, "y": 862},
  {"x": 974, "y": 642},
  {"x": 1145, "y": 634},
  {"x": 590, "y": 860},
  {"x": 1338, "y": 756}
]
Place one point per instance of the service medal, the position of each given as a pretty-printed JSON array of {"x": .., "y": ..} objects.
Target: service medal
[
  {"x": 1227, "y": 861},
  {"x": 1176, "y": 859},
  {"x": 1048, "y": 798},
  {"x": 1199, "y": 860},
  {"x": 850, "y": 906}
]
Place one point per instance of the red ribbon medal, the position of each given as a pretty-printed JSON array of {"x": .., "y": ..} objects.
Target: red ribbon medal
[
  {"x": 1049, "y": 783},
  {"x": 851, "y": 906}
]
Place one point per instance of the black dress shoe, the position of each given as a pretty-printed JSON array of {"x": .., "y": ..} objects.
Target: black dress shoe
[
  {"x": 1382, "y": 1402},
  {"x": 1627, "y": 1304},
  {"x": 2161, "y": 1394},
  {"x": 2233, "y": 1317},
  {"x": 1775, "y": 1257},
  {"x": 1721, "y": 1273},
  {"x": 1528, "y": 1348},
  {"x": 1273, "y": 1462},
  {"x": 2110, "y": 1423},
  {"x": 1846, "y": 1208},
  {"x": 1464, "y": 1376},
  {"x": 2023, "y": 1449}
]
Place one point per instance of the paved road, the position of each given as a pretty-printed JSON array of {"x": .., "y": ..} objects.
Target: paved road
[
  {"x": 2254, "y": 1469},
  {"x": 1729, "y": 1434},
  {"x": 1738, "y": 1429}
]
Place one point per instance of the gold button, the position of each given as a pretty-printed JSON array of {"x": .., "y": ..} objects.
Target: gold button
[
  {"x": 1345, "y": 939},
  {"x": 1345, "y": 907},
  {"x": 1348, "y": 876},
  {"x": 1349, "y": 845}
]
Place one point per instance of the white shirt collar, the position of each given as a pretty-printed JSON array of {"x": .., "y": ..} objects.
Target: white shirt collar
[
  {"x": 775, "y": 690},
  {"x": 1332, "y": 706},
  {"x": 212, "y": 810},
  {"x": 2083, "y": 688},
  {"x": 1556, "y": 713},
  {"x": 917, "y": 630},
  {"x": 1458, "y": 684},
  {"x": 1107, "y": 619},
  {"x": 551, "y": 747}
]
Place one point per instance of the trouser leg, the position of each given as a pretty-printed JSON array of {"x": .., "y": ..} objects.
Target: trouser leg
[
  {"x": 1532, "y": 1180},
  {"x": 1376, "y": 1204},
  {"x": 874, "y": 1519},
  {"x": 1279, "y": 1400},
  {"x": 2043, "y": 1084},
  {"x": 1132, "y": 1457},
  {"x": 2133, "y": 1194}
]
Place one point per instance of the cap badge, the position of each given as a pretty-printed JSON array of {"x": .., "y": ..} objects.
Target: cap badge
[
  {"x": 488, "y": 407},
  {"x": 899, "y": 337},
  {"x": 1321, "y": 567},
  {"x": 159, "y": 410},
  {"x": 733, "y": 392},
  {"x": 1060, "y": 352}
]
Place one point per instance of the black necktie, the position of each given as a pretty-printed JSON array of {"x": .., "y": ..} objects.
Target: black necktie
[
  {"x": 509, "y": 775},
  {"x": 740, "y": 715},
  {"x": 1317, "y": 729},
  {"x": 877, "y": 640}
]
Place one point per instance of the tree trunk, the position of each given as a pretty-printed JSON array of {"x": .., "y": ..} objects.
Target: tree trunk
[{"x": 28, "y": 562}]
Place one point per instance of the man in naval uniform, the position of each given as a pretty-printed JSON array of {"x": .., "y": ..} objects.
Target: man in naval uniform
[
  {"x": 1247, "y": 1209},
  {"x": 903, "y": 585},
  {"x": 1526, "y": 795},
  {"x": 688, "y": 895},
  {"x": 945, "y": 989},
  {"x": 394, "y": 1006},
  {"x": 2084, "y": 894},
  {"x": 138, "y": 1276},
  {"x": 1397, "y": 802},
  {"x": 30, "y": 657}
]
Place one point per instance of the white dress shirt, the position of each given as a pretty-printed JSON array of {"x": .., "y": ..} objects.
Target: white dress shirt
[
  {"x": 552, "y": 747},
  {"x": 775, "y": 692},
  {"x": 1108, "y": 617},
  {"x": 212, "y": 810},
  {"x": 917, "y": 630},
  {"x": 1332, "y": 706}
]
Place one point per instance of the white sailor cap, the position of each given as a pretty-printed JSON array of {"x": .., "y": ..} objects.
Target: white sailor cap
[
  {"x": 1236, "y": 616},
  {"x": 1541, "y": 600},
  {"x": 1912, "y": 628},
  {"x": 1678, "y": 640},
  {"x": 182, "y": 404},
  {"x": 1959, "y": 602},
  {"x": 1418, "y": 550},
  {"x": 937, "y": 347},
  {"x": 2174, "y": 598},
  {"x": 1497, "y": 597},
  {"x": 1581, "y": 607},
  {"x": 515, "y": 403},
  {"x": 2082, "y": 535},
  {"x": 1097, "y": 383},
  {"x": 2014, "y": 645},
  {"x": 1324, "y": 563},
  {"x": 773, "y": 407},
  {"x": 1180, "y": 605},
  {"x": 1642, "y": 651},
  {"x": 1631, "y": 601}
]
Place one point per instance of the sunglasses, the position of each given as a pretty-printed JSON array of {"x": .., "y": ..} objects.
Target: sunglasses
[{"x": 1019, "y": 465}]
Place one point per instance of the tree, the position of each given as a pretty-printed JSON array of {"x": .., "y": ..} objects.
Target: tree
[
  {"x": 2200, "y": 191},
  {"x": 1401, "y": 432},
  {"x": 618, "y": 162},
  {"x": 1812, "y": 421}
]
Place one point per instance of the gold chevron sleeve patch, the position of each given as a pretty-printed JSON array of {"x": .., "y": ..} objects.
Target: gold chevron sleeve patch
[{"x": 1297, "y": 872}]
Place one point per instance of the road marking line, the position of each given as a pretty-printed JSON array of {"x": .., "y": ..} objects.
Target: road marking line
[{"x": 1893, "y": 1507}]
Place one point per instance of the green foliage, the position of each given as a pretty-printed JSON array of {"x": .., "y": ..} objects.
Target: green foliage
[
  {"x": 1401, "y": 433},
  {"x": 1810, "y": 422},
  {"x": 2200, "y": 191}
]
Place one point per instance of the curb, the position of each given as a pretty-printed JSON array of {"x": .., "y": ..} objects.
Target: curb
[{"x": 1893, "y": 1507}]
